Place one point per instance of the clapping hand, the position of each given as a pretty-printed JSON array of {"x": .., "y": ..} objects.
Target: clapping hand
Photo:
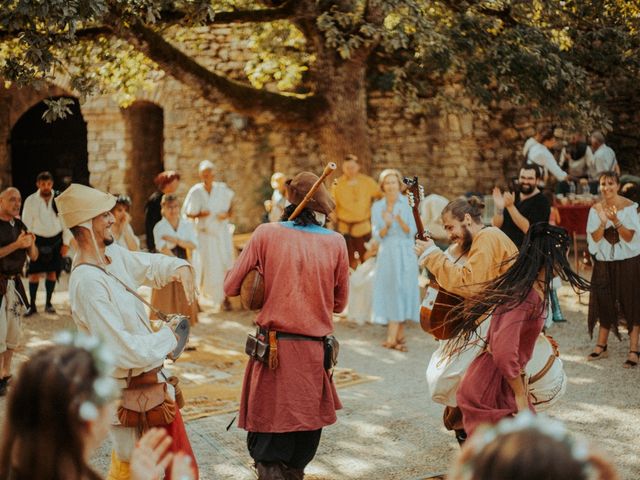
[
  {"x": 151, "y": 457},
  {"x": 388, "y": 218},
  {"x": 498, "y": 201},
  {"x": 508, "y": 199},
  {"x": 601, "y": 214},
  {"x": 170, "y": 239},
  {"x": 184, "y": 275},
  {"x": 612, "y": 213}
]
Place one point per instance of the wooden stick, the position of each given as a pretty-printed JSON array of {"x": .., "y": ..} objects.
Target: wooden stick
[{"x": 328, "y": 170}]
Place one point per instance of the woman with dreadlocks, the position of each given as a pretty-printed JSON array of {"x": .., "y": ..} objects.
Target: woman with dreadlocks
[{"x": 493, "y": 386}]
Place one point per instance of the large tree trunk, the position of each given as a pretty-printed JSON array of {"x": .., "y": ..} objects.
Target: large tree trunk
[{"x": 342, "y": 127}]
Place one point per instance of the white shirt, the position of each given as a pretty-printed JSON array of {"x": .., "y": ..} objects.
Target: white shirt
[
  {"x": 604, "y": 160},
  {"x": 527, "y": 145},
  {"x": 122, "y": 241},
  {"x": 100, "y": 305},
  {"x": 622, "y": 250},
  {"x": 217, "y": 201},
  {"x": 41, "y": 219},
  {"x": 184, "y": 232},
  {"x": 540, "y": 155},
  {"x": 431, "y": 214}
]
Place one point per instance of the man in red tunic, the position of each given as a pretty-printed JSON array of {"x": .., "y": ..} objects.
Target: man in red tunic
[{"x": 306, "y": 280}]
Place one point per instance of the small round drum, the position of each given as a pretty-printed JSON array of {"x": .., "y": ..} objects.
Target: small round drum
[
  {"x": 182, "y": 328},
  {"x": 252, "y": 290},
  {"x": 547, "y": 379}
]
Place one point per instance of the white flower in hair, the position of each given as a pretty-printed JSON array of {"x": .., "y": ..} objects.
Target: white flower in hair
[
  {"x": 106, "y": 387},
  {"x": 106, "y": 356},
  {"x": 88, "y": 342},
  {"x": 64, "y": 337},
  {"x": 88, "y": 411}
]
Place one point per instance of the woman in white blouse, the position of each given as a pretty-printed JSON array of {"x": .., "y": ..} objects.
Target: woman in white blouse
[
  {"x": 614, "y": 242},
  {"x": 176, "y": 237},
  {"x": 121, "y": 229}
]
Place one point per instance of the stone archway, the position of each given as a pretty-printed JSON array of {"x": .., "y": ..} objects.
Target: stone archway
[
  {"x": 59, "y": 147},
  {"x": 144, "y": 140}
]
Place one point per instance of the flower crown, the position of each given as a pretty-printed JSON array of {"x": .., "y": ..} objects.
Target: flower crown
[
  {"x": 528, "y": 421},
  {"x": 105, "y": 388}
]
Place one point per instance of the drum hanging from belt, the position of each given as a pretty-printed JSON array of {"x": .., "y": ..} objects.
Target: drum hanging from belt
[{"x": 252, "y": 290}]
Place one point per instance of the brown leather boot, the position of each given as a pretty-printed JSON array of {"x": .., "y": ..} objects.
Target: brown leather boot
[{"x": 270, "y": 471}]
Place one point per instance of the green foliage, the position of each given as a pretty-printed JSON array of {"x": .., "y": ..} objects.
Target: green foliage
[
  {"x": 281, "y": 57},
  {"x": 561, "y": 58}
]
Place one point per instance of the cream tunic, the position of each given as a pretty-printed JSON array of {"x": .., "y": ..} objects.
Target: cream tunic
[
  {"x": 215, "y": 251},
  {"x": 100, "y": 305}
]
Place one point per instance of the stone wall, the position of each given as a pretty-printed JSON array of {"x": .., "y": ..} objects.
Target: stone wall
[{"x": 453, "y": 153}]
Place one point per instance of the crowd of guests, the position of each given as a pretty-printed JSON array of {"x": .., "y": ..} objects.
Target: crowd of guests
[{"x": 507, "y": 272}]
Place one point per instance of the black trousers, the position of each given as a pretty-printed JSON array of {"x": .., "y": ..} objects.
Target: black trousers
[{"x": 294, "y": 449}]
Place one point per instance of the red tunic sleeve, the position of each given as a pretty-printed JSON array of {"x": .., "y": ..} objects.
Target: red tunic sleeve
[{"x": 247, "y": 260}]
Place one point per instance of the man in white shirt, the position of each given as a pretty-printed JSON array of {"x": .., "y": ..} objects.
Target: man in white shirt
[
  {"x": 208, "y": 204},
  {"x": 103, "y": 307},
  {"x": 539, "y": 154},
  {"x": 41, "y": 218},
  {"x": 604, "y": 158}
]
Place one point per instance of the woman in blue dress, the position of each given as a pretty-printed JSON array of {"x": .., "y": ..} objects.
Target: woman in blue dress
[{"x": 396, "y": 294}]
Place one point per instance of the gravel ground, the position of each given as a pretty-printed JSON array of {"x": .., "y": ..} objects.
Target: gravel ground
[{"x": 389, "y": 428}]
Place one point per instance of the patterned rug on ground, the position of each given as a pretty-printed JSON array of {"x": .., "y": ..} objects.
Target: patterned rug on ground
[{"x": 211, "y": 378}]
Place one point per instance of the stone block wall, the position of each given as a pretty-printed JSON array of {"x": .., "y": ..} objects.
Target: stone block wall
[{"x": 452, "y": 153}]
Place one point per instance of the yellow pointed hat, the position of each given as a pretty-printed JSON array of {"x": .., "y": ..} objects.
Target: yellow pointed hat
[{"x": 79, "y": 203}]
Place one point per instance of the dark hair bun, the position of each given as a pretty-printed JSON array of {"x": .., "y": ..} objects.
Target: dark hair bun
[{"x": 476, "y": 203}]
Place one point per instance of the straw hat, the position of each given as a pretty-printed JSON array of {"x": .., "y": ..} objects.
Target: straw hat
[{"x": 79, "y": 203}]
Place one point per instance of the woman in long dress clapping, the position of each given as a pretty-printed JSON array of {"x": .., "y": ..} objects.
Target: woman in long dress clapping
[{"x": 396, "y": 294}]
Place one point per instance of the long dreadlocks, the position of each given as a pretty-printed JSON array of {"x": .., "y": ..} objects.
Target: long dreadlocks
[{"x": 542, "y": 256}]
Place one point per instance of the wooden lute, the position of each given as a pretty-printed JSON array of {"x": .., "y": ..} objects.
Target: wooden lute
[{"x": 437, "y": 302}]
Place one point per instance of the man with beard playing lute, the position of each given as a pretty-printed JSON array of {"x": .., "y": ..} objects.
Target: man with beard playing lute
[{"x": 487, "y": 251}]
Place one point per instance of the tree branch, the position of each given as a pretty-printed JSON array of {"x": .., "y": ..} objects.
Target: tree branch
[
  {"x": 286, "y": 11},
  {"x": 284, "y": 109}
]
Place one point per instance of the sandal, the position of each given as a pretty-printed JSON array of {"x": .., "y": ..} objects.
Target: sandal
[
  {"x": 395, "y": 346},
  {"x": 598, "y": 355},
  {"x": 631, "y": 363}
]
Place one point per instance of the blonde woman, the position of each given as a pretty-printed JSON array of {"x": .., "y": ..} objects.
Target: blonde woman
[
  {"x": 396, "y": 294},
  {"x": 176, "y": 237}
]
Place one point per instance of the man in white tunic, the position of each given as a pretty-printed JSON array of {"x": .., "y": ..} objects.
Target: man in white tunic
[
  {"x": 101, "y": 305},
  {"x": 208, "y": 204},
  {"x": 41, "y": 218}
]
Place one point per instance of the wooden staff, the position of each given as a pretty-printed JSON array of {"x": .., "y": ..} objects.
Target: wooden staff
[{"x": 328, "y": 170}]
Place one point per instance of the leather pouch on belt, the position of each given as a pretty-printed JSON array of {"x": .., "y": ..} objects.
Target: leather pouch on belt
[{"x": 257, "y": 347}]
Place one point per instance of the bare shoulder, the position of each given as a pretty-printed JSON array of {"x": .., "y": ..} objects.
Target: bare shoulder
[{"x": 625, "y": 202}]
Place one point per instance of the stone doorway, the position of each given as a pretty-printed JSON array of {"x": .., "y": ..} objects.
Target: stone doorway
[
  {"x": 59, "y": 147},
  {"x": 144, "y": 125}
]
